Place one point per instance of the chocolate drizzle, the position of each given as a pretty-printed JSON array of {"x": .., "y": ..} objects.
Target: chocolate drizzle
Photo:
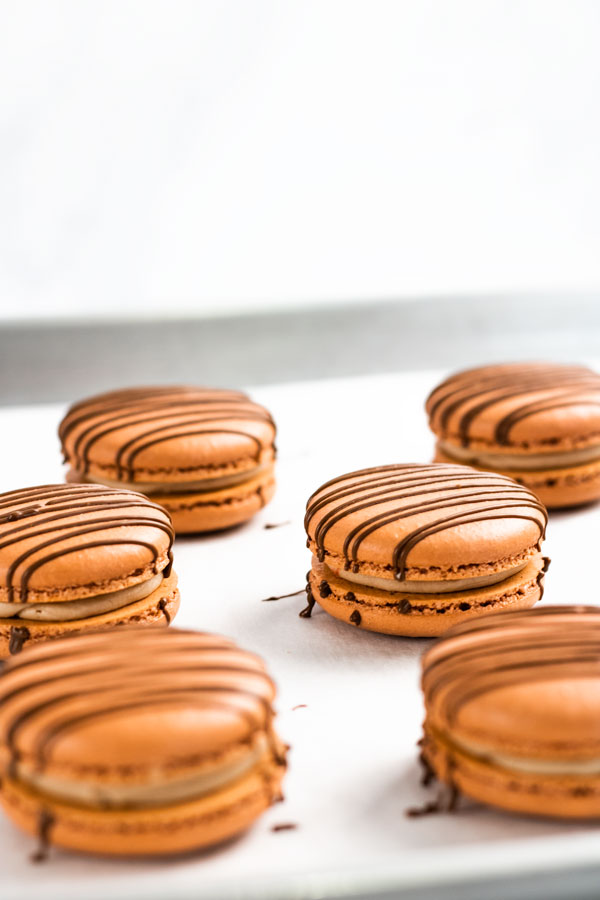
[
  {"x": 74, "y": 518},
  {"x": 401, "y": 492},
  {"x": 306, "y": 613},
  {"x": 283, "y": 596},
  {"x": 484, "y": 655},
  {"x": 163, "y": 606},
  {"x": 529, "y": 389},
  {"x": 60, "y": 687},
  {"x": 136, "y": 419},
  {"x": 19, "y": 634},
  {"x": 45, "y": 823}
]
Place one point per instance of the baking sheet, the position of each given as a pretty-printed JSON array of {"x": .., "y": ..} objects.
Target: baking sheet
[{"x": 353, "y": 769}]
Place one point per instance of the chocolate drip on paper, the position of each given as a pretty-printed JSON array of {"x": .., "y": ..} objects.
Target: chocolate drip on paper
[
  {"x": 283, "y": 596},
  {"x": 156, "y": 415},
  {"x": 408, "y": 491},
  {"x": 472, "y": 393},
  {"x": 49, "y": 524}
]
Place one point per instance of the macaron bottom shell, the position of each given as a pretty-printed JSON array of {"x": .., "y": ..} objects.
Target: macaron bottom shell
[
  {"x": 158, "y": 608},
  {"x": 149, "y": 831},
  {"x": 200, "y": 511},
  {"x": 217, "y": 510},
  {"x": 554, "y": 796},
  {"x": 407, "y": 615},
  {"x": 556, "y": 488}
]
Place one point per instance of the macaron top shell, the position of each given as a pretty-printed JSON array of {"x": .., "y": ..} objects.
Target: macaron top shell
[
  {"x": 127, "y": 703},
  {"x": 525, "y": 684},
  {"x": 522, "y": 406},
  {"x": 69, "y": 541},
  {"x": 163, "y": 434},
  {"x": 424, "y": 522}
]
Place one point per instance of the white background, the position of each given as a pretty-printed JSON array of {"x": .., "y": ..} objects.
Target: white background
[{"x": 164, "y": 156}]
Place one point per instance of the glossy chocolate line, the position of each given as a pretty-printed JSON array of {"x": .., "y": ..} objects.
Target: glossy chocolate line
[
  {"x": 49, "y": 518},
  {"x": 484, "y": 479},
  {"x": 402, "y": 477},
  {"x": 140, "y": 694},
  {"x": 508, "y": 498},
  {"x": 496, "y": 387},
  {"x": 82, "y": 462},
  {"x": 402, "y": 549},
  {"x": 85, "y": 648},
  {"x": 506, "y": 654},
  {"x": 106, "y": 525},
  {"x": 477, "y": 659},
  {"x": 129, "y": 470},
  {"x": 494, "y": 379},
  {"x": 497, "y": 382},
  {"x": 165, "y": 411},
  {"x": 176, "y": 408},
  {"x": 98, "y": 407}
]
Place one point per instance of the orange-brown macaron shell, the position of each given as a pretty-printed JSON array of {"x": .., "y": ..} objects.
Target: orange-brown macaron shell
[
  {"x": 160, "y": 831},
  {"x": 167, "y": 434},
  {"x": 216, "y": 510},
  {"x": 89, "y": 709},
  {"x": 423, "y": 522},
  {"x": 518, "y": 408},
  {"x": 560, "y": 797},
  {"x": 556, "y": 488},
  {"x": 523, "y": 686},
  {"x": 426, "y": 615},
  {"x": 158, "y": 608},
  {"x": 63, "y": 542}
]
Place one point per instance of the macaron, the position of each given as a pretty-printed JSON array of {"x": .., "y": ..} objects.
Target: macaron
[
  {"x": 137, "y": 741},
  {"x": 206, "y": 455},
  {"x": 75, "y": 557},
  {"x": 512, "y": 710},
  {"x": 539, "y": 423},
  {"x": 413, "y": 549}
]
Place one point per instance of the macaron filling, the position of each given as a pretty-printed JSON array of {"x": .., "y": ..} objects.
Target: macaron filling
[
  {"x": 157, "y": 791},
  {"x": 69, "y": 610},
  {"x": 525, "y": 764},
  {"x": 428, "y": 587},
  {"x": 179, "y": 487},
  {"x": 524, "y": 462}
]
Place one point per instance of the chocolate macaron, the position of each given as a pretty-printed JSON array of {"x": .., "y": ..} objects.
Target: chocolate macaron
[
  {"x": 137, "y": 741},
  {"x": 206, "y": 455},
  {"x": 512, "y": 710},
  {"x": 75, "y": 557},
  {"x": 414, "y": 549},
  {"x": 539, "y": 423}
]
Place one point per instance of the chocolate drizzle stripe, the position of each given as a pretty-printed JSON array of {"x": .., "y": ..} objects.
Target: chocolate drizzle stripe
[
  {"x": 560, "y": 387},
  {"x": 54, "y": 692},
  {"x": 474, "y": 497},
  {"x": 49, "y": 523},
  {"x": 507, "y": 649},
  {"x": 173, "y": 410}
]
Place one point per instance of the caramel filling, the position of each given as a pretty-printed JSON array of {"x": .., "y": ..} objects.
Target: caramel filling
[
  {"x": 158, "y": 790},
  {"x": 180, "y": 487},
  {"x": 530, "y": 765},
  {"x": 427, "y": 587},
  {"x": 530, "y": 462},
  {"x": 69, "y": 610}
]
